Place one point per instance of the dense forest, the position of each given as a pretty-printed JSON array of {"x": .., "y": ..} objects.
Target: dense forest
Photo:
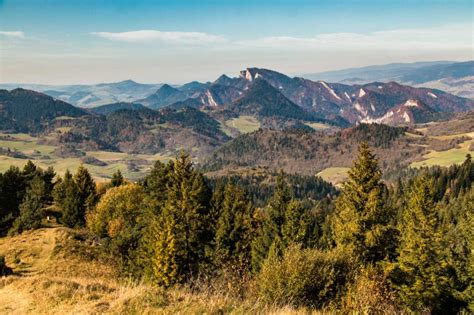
[{"x": 372, "y": 246}]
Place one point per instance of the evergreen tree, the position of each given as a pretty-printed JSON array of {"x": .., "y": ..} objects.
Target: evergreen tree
[
  {"x": 234, "y": 228},
  {"x": 422, "y": 269},
  {"x": 86, "y": 195},
  {"x": 156, "y": 183},
  {"x": 270, "y": 229},
  {"x": 12, "y": 192},
  {"x": 31, "y": 207},
  {"x": 360, "y": 226},
  {"x": 179, "y": 245},
  {"x": 67, "y": 197},
  {"x": 460, "y": 240},
  {"x": 117, "y": 179},
  {"x": 299, "y": 227}
]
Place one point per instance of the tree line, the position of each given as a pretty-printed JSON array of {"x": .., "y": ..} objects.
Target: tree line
[{"x": 370, "y": 247}]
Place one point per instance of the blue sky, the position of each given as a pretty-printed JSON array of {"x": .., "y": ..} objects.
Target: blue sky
[{"x": 92, "y": 41}]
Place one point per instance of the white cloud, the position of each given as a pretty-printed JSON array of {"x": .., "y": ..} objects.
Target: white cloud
[
  {"x": 446, "y": 37},
  {"x": 186, "y": 38},
  {"x": 15, "y": 34}
]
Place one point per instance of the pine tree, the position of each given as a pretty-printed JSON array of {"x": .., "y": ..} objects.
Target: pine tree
[
  {"x": 298, "y": 227},
  {"x": 179, "y": 246},
  {"x": 117, "y": 179},
  {"x": 271, "y": 225},
  {"x": 156, "y": 183},
  {"x": 360, "y": 225},
  {"x": 422, "y": 269},
  {"x": 86, "y": 195},
  {"x": 67, "y": 196},
  {"x": 12, "y": 192},
  {"x": 233, "y": 228},
  {"x": 31, "y": 207}
]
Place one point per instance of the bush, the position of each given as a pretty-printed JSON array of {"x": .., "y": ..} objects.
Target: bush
[
  {"x": 4, "y": 269},
  {"x": 117, "y": 219},
  {"x": 370, "y": 293},
  {"x": 303, "y": 277}
]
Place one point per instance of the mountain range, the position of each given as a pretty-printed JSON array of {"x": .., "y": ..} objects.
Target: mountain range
[
  {"x": 204, "y": 116},
  {"x": 453, "y": 77},
  {"x": 92, "y": 95}
]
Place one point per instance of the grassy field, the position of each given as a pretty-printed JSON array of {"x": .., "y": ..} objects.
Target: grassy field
[
  {"x": 317, "y": 126},
  {"x": 59, "y": 271},
  {"x": 42, "y": 155},
  {"x": 445, "y": 158},
  {"x": 334, "y": 175},
  {"x": 244, "y": 124},
  {"x": 448, "y": 157}
]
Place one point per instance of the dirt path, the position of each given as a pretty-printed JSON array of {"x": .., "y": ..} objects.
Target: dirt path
[{"x": 28, "y": 254}]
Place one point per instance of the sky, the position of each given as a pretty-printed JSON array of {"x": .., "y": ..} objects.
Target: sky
[{"x": 92, "y": 41}]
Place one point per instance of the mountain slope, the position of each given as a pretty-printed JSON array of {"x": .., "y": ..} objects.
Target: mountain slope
[
  {"x": 95, "y": 94},
  {"x": 29, "y": 111},
  {"x": 452, "y": 77},
  {"x": 110, "y": 108},
  {"x": 166, "y": 95},
  {"x": 262, "y": 100}
]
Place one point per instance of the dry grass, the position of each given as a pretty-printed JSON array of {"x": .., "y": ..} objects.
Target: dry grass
[{"x": 60, "y": 271}]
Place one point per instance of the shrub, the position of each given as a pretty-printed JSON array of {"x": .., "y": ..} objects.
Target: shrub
[
  {"x": 117, "y": 219},
  {"x": 4, "y": 269},
  {"x": 370, "y": 293},
  {"x": 303, "y": 277}
]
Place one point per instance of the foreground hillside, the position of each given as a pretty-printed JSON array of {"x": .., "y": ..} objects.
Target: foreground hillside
[
  {"x": 60, "y": 271},
  {"x": 181, "y": 242}
]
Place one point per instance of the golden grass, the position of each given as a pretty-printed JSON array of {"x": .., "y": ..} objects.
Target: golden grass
[
  {"x": 445, "y": 158},
  {"x": 317, "y": 126},
  {"x": 115, "y": 160},
  {"x": 334, "y": 175},
  {"x": 244, "y": 123},
  {"x": 59, "y": 271}
]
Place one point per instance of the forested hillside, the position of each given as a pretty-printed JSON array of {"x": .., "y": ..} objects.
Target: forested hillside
[{"x": 272, "y": 240}]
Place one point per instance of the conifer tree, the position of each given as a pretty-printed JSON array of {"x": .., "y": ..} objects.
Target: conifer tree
[
  {"x": 31, "y": 207},
  {"x": 179, "y": 246},
  {"x": 156, "y": 183},
  {"x": 12, "y": 192},
  {"x": 270, "y": 229},
  {"x": 67, "y": 196},
  {"x": 422, "y": 269},
  {"x": 74, "y": 195},
  {"x": 361, "y": 219},
  {"x": 117, "y": 179},
  {"x": 298, "y": 226},
  {"x": 234, "y": 228},
  {"x": 86, "y": 187}
]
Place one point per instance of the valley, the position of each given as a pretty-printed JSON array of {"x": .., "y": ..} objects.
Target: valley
[{"x": 261, "y": 118}]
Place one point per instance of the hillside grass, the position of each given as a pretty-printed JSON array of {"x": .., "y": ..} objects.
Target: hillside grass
[
  {"x": 61, "y": 271},
  {"x": 43, "y": 156},
  {"x": 334, "y": 175},
  {"x": 448, "y": 157},
  {"x": 243, "y": 123},
  {"x": 317, "y": 126}
]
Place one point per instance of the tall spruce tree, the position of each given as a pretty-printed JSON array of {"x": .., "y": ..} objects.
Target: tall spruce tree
[
  {"x": 422, "y": 269},
  {"x": 271, "y": 224},
  {"x": 181, "y": 238},
  {"x": 31, "y": 207},
  {"x": 299, "y": 227},
  {"x": 361, "y": 222},
  {"x": 234, "y": 229},
  {"x": 67, "y": 197},
  {"x": 12, "y": 192},
  {"x": 85, "y": 197}
]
